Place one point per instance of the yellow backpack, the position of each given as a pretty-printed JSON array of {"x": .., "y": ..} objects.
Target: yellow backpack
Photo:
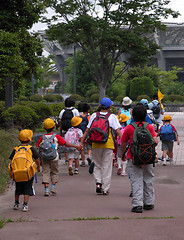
[{"x": 22, "y": 167}]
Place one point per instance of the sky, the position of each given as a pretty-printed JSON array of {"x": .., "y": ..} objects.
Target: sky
[{"x": 176, "y": 5}]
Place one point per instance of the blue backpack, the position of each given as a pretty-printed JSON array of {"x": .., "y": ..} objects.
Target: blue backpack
[
  {"x": 167, "y": 133},
  {"x": 84, "y": 123}
]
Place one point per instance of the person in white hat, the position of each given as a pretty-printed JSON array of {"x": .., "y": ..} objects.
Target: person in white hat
[{"x": 126, "y": 108}]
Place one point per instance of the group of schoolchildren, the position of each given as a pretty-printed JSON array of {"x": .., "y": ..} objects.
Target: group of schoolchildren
[{"x": 74, "y": 130}]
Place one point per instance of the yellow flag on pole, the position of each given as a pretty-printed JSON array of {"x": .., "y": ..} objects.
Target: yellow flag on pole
[{"x": 160, "y": 97}]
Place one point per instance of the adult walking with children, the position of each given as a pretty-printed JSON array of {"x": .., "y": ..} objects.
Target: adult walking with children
[
  {"x": 126, "y": 108},
  {"x": 102, "y": 144}
]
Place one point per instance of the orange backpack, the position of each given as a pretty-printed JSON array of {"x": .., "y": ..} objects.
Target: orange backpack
[{"x": 22, "y": 167}]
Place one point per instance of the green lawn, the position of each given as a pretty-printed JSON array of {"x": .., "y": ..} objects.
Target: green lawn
[{"x": 8, "y": 140}]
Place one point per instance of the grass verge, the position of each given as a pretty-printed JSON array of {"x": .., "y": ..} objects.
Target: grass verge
[{"x": 8, "y": 140}]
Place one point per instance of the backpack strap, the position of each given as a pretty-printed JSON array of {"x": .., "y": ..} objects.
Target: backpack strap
[
  {"x": 26, "y": 147},
  {"x": 52, "y": 136},
  {"x": 135, "y": 125}
]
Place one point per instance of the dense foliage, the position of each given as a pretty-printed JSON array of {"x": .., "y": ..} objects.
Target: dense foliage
[{"x": 107, "y": 29}]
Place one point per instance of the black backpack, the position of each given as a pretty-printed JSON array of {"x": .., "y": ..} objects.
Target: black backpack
[
  {"x": 66, "y": 119},
  {"x": 156, "y": 109},
  {"x": 143, "y": 145}
]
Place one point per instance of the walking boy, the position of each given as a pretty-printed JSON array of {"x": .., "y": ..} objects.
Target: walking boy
[
  {"x": 50, "y": 167},
  {"x": 65, "y": 117},
  {"x": 73, "y": 136},
  {"x": 102, "y": 153},
  {"x": 122, "y": 118},
  {"x": 141, "y": 177},
  {"x": 168, "y": 135},
  {"x": 25, "y": 187},
  {"x": 85, "y": 120}
]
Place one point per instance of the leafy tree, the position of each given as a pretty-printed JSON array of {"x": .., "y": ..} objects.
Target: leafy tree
[
  {"x": 106, "y": 29},
  {"x": 84, "y": 79},
  {"x": 161, "y": 79},
  {"x": 20, "y": 53},
  {"x": 140, "y": 86}
]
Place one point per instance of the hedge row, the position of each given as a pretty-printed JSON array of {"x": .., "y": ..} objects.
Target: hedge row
[{"x": 29, "y": 114}]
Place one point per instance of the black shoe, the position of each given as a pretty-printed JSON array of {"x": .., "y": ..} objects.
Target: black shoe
[
  {"x": 98, "y": 188},
  {"x": 131, "y": 194},
  {"x": 148, "y": 207},
  {"x": 89, "y": 161},
  {"x": 137, "y": 209}
]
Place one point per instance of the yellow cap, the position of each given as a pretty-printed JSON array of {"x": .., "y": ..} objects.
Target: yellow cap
[
  {"x": 25, "y": 135},
  {"x": 48, "y": 123},
  {"x": 167, "y": 118},
  {"x": 75, "y": 121},
  {"x": 123, "y": 118}
]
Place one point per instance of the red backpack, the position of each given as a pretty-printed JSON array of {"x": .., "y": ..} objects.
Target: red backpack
[{"x": 99, "y": 130}]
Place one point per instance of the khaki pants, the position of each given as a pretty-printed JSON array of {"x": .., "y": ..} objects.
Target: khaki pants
[
  {"x": 103, "y": 159},
  {"x": 50, "y": 170}
]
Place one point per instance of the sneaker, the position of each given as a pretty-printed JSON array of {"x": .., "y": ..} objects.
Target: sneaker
[
  {"x": 16, "y": 206},
  {"x": 82, "y": 164},
  {"x": 76, "y": 171},
  {"x": 131, "y": 194},
  {"x": 123, "y": 174},
  {"x": 148, "y": 207},
  {"x": 25, "y": 208},
  {"x": 46, "y": 193},
  {"x": 137, "y": 209},
  {"x": 70, "y": 170},
  {"x": 105, "y": 193},
  {"x": 119, "y": 171},
  {"x": 98, "y": 188},
  {"x": 89, "y": 161},
  {"x": 66, "y": 161},
  {"x": 53, "y": 191},
  {"x": 164, "y": 164}
]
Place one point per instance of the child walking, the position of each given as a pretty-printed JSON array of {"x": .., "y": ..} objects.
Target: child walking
[
  {"x": 168, "y": 135},
  {"x": 121, "y": 164},
  {"x": 85, "y": 119},
  {"x": 74, "y": 135},
  {"x": 50, "y": 168},
  {"x": 25, "y": 187}
]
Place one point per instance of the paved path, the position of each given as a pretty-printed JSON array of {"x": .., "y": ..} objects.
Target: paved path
[{"x": 77, "y": 213}]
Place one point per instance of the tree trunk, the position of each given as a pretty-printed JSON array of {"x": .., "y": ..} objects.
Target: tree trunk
[
  {"x": 102, "y": 91},
  {"x": 9, "y": 93}
]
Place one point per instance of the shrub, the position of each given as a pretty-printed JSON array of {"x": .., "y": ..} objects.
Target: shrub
[
  {"x": 8, "y": 140},
  {"x": 42, "y": 110},
  {"x": 94, "y": 98},
  {"x": 141, "y": 85},
  {"x": 119, "y": 99},
  {"x": 77, "y": 97},
  {"x": 50, "y": 98},
  {"x": 59, "y": 98},
  {"x": 2, "y": 109},
  {"x": 21, "y": 116},
  {"x": 36, "y": 98},
  {"x": 114, "y": 110},
  {"x": 173, "y": 98},
  {"x": 143, "y": 97},
  {"x": 56, "y": 109},
  {"x": 22, "y": 98}
]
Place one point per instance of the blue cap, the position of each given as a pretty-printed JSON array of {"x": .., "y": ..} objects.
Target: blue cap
[
  {"x": 144, "y": 102},
  {"x": 106, "y": 102}
]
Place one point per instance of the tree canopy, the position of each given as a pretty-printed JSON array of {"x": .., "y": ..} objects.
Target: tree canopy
[
  {"x": 20, "y": 50},
  {"x": 106, "y": 29}
]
